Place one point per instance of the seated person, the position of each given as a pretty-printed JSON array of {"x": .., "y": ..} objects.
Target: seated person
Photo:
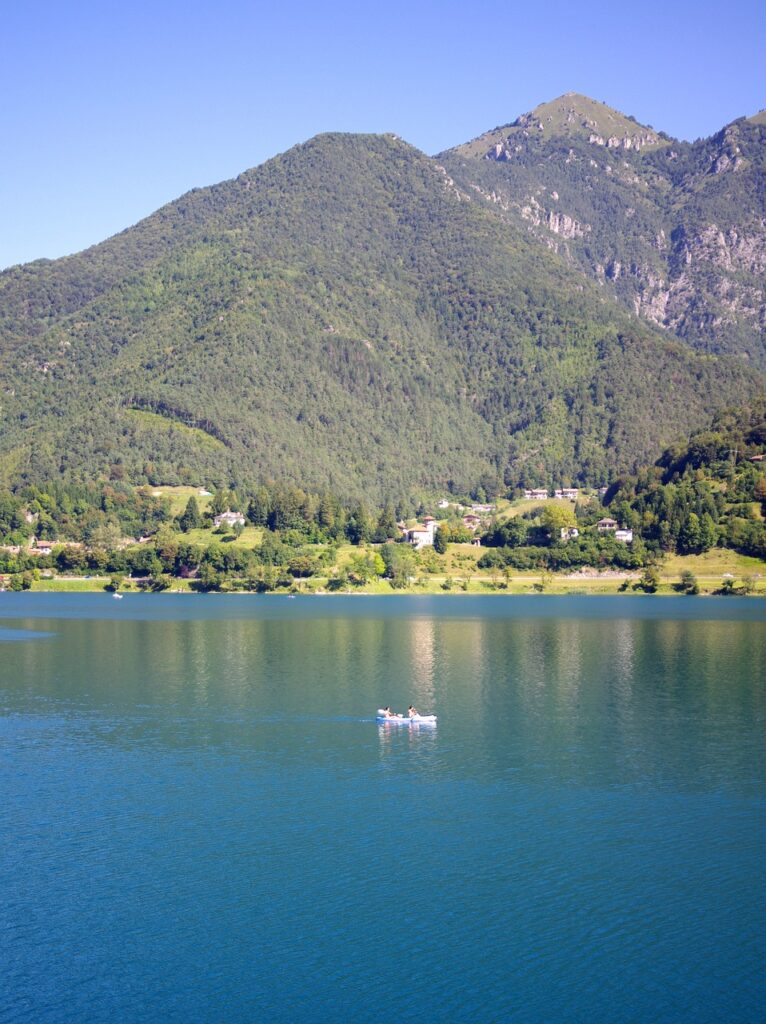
[{"x": 412, "y": 712}]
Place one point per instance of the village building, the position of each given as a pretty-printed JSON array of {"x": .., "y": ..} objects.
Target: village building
[
  {"x": 569, "y": 493},
  {"x": 41, "y": 547},
  {"x": 444, "y": 503},
  {"x": 569, "y": 532},
  {"x": 626, "y": 536},
  {"x": 471, "y": 522},
  {"x": 481, "y": 509},
  {"x": 606, "y": 524},
  {"x": 421, "y": 536},
  {"x": 229, "y": 519},
  {"x": 536, "y": 494}
]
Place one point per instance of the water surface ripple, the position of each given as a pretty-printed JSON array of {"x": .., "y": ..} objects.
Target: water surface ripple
[{"x": 201, "y": 820}]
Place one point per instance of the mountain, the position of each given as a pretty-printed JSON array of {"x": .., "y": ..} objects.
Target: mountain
[
  {"x": 571, "y": 116},
  {"x": 349, "y": 315},
  {"x": 675, "y": 231}
]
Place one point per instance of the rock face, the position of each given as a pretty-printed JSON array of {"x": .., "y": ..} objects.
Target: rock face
[{"x": 676, "y": 230}]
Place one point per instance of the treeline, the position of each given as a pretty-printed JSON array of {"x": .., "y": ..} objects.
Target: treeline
[
  {"x": 708, "y": 492},
  {"x": 107, "y": 515}
]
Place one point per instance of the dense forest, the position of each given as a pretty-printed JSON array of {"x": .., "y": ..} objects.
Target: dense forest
[{"x": 344, "y": 318}]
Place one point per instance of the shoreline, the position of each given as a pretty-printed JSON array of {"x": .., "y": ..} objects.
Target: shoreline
[{"x": 612, "y": 585}]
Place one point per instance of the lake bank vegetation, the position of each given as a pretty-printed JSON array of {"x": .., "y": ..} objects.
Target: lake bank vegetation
[{"x": 694, "y": 522}]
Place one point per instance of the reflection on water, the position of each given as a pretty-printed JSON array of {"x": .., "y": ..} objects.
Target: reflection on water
[
  {"x": 207, "y": 823},
  {"x": 415, "y": 744},
  {"x": 423, "y": 659}
]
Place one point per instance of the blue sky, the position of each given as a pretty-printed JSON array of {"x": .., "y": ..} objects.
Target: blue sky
[{"x": 111, "y": 110}]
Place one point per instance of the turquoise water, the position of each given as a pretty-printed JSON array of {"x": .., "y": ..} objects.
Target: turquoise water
[{"x": 201, "y": 821}]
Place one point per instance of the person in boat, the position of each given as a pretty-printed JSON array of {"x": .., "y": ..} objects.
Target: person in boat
[
  {"x": 412, "y": 712},
  {"x": 388, "y": 713}
]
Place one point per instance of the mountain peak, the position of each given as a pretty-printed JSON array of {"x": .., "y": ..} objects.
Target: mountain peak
[{"x": 571, "y": 116}]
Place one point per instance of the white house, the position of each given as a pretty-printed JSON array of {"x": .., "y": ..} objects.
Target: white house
[
  {"x": 626, "y": 536},
  {"x": 536, "y": 494},
  {"x": 569, "y": 532},
  {"x": 570, "y": 493},
  {"x": 229, "y": 519},
  {"x": 422, "y": 536},
  {"x": 444, "y": 503}
]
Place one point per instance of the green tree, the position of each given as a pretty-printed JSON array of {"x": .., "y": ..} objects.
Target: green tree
[
  {"x": 650, "y": 580},
  {"x": 689, "y": 584},
  {"x": 441, "y": 539},
  {"x": 190, "y": 518},
  {"x": 708, "y": 532},
  {"x": 557, "y": 516},
  {"x": 690, "y": 536},
  {"x": 259, "y": 507},
  {"x": 400, "y": 563},
  {"x": 359, "y": 525},
  {"x": 386, "y": 528}
]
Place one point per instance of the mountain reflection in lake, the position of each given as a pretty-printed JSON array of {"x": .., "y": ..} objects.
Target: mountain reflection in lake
[{"x": 207, "y": 823}]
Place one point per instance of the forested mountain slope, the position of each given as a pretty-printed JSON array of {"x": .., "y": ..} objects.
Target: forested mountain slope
[
  {"x": 675, "y": 230},
  {"x": 345, "y": 316}
]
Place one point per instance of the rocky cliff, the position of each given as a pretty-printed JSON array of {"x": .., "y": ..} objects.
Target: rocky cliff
[{"x": 675, "y": 230}]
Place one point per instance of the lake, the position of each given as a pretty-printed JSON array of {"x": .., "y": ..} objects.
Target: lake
[{"x": 200, "y": 820}]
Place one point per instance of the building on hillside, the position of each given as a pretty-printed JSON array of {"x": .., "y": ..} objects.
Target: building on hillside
[
  {"x": 471, "y": 522},
  {"x": 602, "y": 492},
  {"x": 536, "y": 494},
  {"x": 41, "y": 547},
  {"x": 229, "y": 519},
  {"x": 606, "y": 524},
  {"x": 569, "y": 493},
  {"x": 569, "y": 532},
  {"x": 626, "y": 536},
  {"x": 481, "y": 509},
  {"x": 421, "y": 536},
  {"x": 756, "y": 458},
  {"x": 444, "y": 503}
]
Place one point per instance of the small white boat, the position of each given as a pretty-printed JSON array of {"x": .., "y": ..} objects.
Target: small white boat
[
  {"x": 384, "y": 719},
  {"x": 117, "y": 597}
]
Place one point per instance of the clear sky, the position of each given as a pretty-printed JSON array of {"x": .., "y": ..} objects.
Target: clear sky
[{"x": 110, "y": 110}]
